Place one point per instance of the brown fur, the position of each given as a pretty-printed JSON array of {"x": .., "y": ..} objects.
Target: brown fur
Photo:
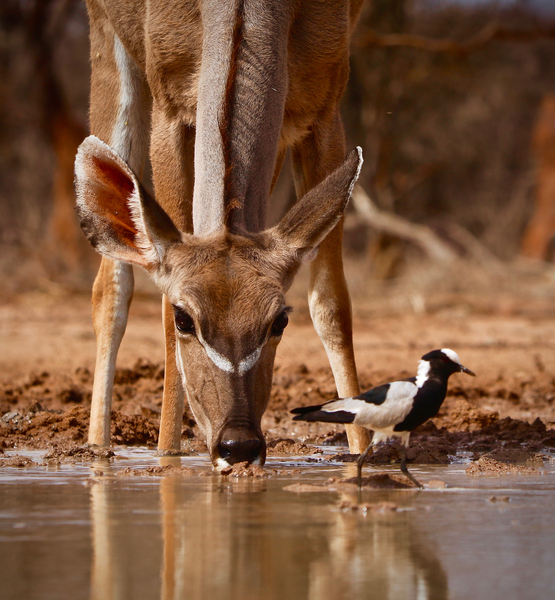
[{"x": 280, "y": 85}]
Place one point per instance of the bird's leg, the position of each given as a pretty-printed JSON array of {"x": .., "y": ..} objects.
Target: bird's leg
[
  {"x": 404, "y": 467},
  {"x": 360, "y": 461}
]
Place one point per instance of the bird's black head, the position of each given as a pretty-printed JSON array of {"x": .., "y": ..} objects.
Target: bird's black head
[{"x": 446, "y": 362}]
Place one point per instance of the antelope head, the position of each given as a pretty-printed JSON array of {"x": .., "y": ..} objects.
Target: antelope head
[{"x": 227, "y": 288}]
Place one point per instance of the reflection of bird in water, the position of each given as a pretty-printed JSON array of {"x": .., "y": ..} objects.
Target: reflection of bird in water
[
  {"x": 393, "y": 409},
  {"x": 381, "y": 556}
]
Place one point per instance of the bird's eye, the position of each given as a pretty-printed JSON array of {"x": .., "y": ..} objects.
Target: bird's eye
[
  {"x": 280, "y": 323},
  {"x": 183, "y": 321}
]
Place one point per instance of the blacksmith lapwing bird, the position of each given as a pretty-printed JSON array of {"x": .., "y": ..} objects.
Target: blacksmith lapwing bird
[{"x": 393, "y": 409}]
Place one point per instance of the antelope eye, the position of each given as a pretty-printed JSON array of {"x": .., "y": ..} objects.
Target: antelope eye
[
  {"x": 280, "y": 323},
  {"x": 183, "y": 321}
]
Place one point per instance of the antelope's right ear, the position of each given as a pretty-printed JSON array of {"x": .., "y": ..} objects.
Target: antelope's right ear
[{"x": 118, "y": 217}]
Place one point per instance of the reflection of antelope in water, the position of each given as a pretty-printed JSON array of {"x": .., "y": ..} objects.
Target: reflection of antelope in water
[
  {"x": 228, "y": 88},
  {"x": 237, "y": 541}
]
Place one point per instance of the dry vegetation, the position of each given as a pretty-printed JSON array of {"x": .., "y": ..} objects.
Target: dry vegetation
[{"x": 442, "y": 98}]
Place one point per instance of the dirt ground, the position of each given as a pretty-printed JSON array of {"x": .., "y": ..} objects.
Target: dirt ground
[{"x": 506, "y": 413}]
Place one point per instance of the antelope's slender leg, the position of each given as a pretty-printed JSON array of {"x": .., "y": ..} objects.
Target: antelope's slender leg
[
  {"x": 330, "y": 306},
  {"x": 172, "y": 150},
  {"x": 112, "y": 293},
  {"x": 120, "y": 118},
  {"x": 169, "y": 440}
]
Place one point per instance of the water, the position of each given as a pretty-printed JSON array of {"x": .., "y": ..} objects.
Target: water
[{"x": 68, "y": 533}]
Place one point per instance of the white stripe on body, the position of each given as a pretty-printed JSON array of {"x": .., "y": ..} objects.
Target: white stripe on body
[
  {"x": 131, "y": 129},
  {"x": 209, "y": 163},
  {"x": 130, "y": 141}
]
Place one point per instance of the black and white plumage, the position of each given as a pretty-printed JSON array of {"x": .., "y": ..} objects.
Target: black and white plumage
[{"x": 393, "y": 409}]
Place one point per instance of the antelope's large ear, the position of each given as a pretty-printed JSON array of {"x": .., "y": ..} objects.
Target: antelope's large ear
[
  {"x": 319, "y": 211},
  {"x": 118, "y": 217}
]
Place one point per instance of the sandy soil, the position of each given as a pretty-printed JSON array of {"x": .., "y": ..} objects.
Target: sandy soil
[{"x": 506, "y": 413}]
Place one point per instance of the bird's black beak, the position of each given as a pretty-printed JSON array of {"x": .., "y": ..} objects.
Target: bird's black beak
[{"x": 465, "y": 370}]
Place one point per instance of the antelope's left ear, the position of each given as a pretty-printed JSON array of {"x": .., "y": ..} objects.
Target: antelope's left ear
[
  {"x": 319, "y": 211},
  {"x": 118, "y": 217}
]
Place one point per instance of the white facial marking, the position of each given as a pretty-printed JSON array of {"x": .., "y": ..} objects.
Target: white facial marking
[
  {"x": 225, "y": 364},
  {"x": 422, "y": 373},
  {"x": 248, "y": 363},
  {"x": 221, "y": 464},
  {"x": 180, "y": 365},
  {"x": 218, "y": 359},
  {"x": 452, "y": 355}
]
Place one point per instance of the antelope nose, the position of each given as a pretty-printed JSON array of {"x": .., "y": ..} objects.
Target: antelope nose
[{"x": 236, "y": 450}]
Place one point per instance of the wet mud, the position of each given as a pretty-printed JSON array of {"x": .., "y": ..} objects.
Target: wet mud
[
  {"x": 50, "y": 411},
  {"x": 506, "y": 413},
  {"x": 486, "y": 465}
]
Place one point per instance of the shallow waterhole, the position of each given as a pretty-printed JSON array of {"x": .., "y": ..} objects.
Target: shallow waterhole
[{"x": 80, "y": 531}]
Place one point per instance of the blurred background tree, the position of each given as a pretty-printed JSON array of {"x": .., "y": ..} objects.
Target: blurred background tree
[
  {"x": 444, "y": 97},
  {"x": 44, "y": 80}
]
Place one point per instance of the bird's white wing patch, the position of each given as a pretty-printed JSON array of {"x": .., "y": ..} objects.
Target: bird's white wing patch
[
  {"x": 351, "y": 405},
  {"x": 396, "y": 407}
]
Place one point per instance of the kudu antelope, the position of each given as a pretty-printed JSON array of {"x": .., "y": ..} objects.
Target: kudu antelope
[{"x": 219, "y": 90}]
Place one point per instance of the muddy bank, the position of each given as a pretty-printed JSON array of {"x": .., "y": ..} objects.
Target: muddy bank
[{"x": 50, "y": 410}]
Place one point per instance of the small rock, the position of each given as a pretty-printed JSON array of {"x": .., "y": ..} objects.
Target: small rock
[
  {"x": 494, "y": 499},
  {"x": 10, "y": 416},
  {"x": 17, "y": 461},
  {"x": 301, "y": 488},
  {"x": 490, "y": 466},
  {"x": 376, "y": 507},
  {"x": 436, "y": 484}
]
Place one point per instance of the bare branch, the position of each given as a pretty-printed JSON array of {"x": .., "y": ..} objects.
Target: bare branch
[
  {"x": 488, "y": 34},
  {"x": 474, "y": 247},
  {"x": 395, "y": 225}
]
